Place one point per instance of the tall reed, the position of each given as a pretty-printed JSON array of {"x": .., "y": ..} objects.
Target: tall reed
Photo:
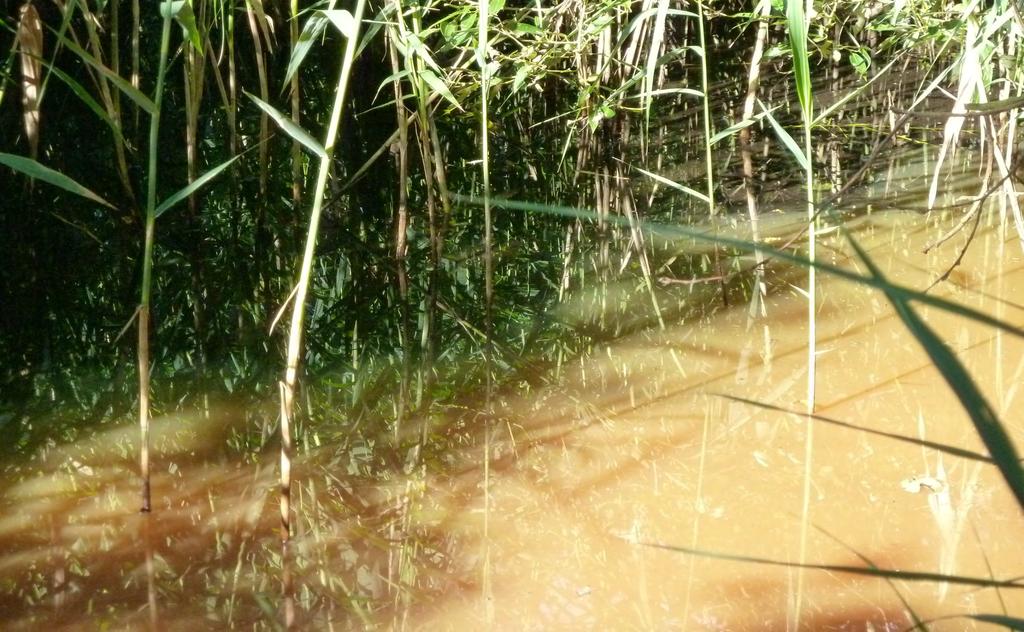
[
  {"x": 796, "y": 22},
  {"x": 166, "y": 9},
  {"x": 349, "y": 25},
  {"x": 486, "y": 70}
]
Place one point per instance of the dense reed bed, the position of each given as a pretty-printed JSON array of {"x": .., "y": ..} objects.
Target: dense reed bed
[{"x": 366, "y": 229}]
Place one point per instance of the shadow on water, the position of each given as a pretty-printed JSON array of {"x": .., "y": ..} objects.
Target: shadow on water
[
  {"x": 649, "y": 440},
  {"x": 620, "y": 455}
]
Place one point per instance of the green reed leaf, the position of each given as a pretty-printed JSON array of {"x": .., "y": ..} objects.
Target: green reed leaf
[
  {"x": 867, "y": 571},
  {"x": 787, "y": 140},
  {"x": 732, "y": 129},
  {"x": 182, "y": 13},
  {"x": 986, "y": 422},
  {"x": 796, "y": 23},
  {"x": 673, "y": 184},
  {"x": 1011, "y": 623},
  {"x": 290, "y": 128},
  {"x": 702, "y": 235},
  {"x": 197, "y": 184},
  {"x": 311, "y": 32},
  {"x": 43, "y": 173},
  {"x": 130, "y": 91},
  {"x": 439, "y": 87}
]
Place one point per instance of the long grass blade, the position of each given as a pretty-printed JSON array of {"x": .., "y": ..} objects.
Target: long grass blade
[
  {"x": 1011, "y": 623},
  {"x": 673, "y": 184},
  {"x": 787, "y": 140},
  {"x": 35, "y": 170},
  {"x": 312, "y": 31},
  {"x": 290, "y": 128},
  {"x": 86, "y": 98},
  {"x": 435, "y": 82},
  {"x": 924, "y": 443},
  {"x": 130, "y": 91},
  {"x": 984, "y": 418},
  {"x": 866, "y": 571},
  {"x": 796, "y": 25},
  {"x": 683, "y": 232},
  {"x": 733, "y": 129},
  {"x": 197, "y": 184},
  {"x": 892, "y": 585}
]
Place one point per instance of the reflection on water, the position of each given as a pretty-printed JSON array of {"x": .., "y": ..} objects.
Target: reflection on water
[
  {"x": 586, "y": 483},
  {"x": 651, "y": 441}
]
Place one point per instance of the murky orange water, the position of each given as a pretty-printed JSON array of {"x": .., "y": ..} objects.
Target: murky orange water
[
  {"x": 658, "y": 453},
  {"x": 645, "y": 444}
]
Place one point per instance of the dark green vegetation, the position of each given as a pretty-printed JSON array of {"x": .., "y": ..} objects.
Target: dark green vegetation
[{"x": 252, "y": 161}]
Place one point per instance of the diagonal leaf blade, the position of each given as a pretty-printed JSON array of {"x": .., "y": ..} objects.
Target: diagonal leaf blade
[
  {"x": 439, "y": 87},
  {"x": 981, "y": 413},
  {"x": 786, "y": 139},
  {"x": 732, "y": 129},
  {"x": 1016, "y": 624},
  {"x": 868, "y": 571},
  {"x": 342, "y": 20},
  {"x": 197, "y": 184},
  {"x": 673, "y": 184},
  {"x": 43, "y": 173},
  {"x": 128, "y": 89},
  {"x": 313, "y": 29},
  {"x": 290, "y": 128},
  {"x": 676, "y": 231}
]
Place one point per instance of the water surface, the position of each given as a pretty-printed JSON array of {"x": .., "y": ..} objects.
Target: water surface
[{"x": 688, "y": 437}]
